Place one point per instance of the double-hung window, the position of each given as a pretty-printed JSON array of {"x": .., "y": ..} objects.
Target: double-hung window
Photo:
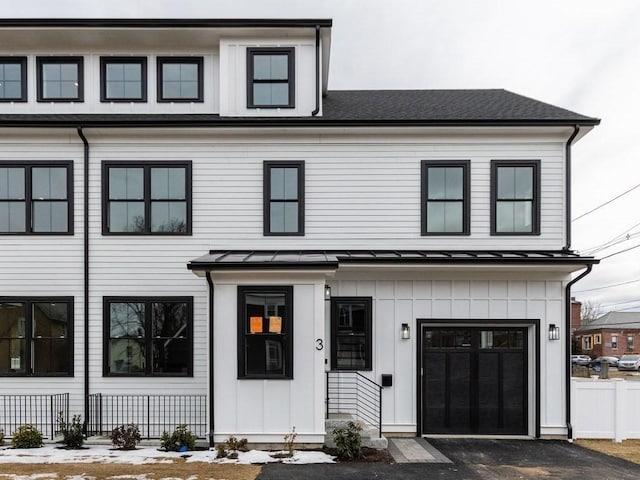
[
  {"x": 60, "y": 79},
  {"x": 13, "y": 79},
  {"x": 36, "y": 336},
  {"x": 265, "y": 332},
  {"x": 515, "y": 194},
  {"x": 445, "y": 197},
  {"x": 351, "y": 333},
  {"x": 148, "y": 336},
  {"x": 283, "y": 198},
  {"x": 123, "y": 79},
  {"x": 150, "y": 198},
  {"x": 180, "y": 79},
  {"x": 36, "y": 198},
  {"x": 270, "y": 78}
]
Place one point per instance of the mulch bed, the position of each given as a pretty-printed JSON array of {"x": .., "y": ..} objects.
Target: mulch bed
[{"x": 368, "y": 455}]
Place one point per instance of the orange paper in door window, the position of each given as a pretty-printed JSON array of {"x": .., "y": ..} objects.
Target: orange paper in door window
[
  {"x": 275, "y": 324},
  {"x": 255, "y": 324}
]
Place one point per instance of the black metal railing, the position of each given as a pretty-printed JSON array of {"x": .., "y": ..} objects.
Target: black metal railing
[
  {"x": 153, "y": 414},
  {"x": 353, "y": 393},
  {"x": 41, "y": 411}
]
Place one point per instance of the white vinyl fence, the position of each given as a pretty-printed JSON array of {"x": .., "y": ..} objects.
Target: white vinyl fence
[{"x": 605, "y": 408}]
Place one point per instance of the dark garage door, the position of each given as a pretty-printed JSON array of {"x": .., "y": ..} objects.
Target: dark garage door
[{"x": 474, "y": 380}]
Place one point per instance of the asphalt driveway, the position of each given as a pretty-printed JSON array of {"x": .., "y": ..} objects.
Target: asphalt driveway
[{"x": 477, "y": 459}]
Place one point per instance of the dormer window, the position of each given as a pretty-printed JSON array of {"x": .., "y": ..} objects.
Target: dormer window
[
  {"x": 123, "y": 79},
  {"x": 13, "y": 79},
  {"x": 180, "y": 79},
  {"x": 270, "y": 78},
  {"x": 60, "y": 79}
]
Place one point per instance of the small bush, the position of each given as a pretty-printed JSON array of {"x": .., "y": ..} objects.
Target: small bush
[
  {"x": 72, "y": 435},
  {"x": 348, "y": 441},
  {"x": 125, "y": 437},
  {"x": 289, "y": 438},
  {"x": 221, "y": 450},
  {"x": 27, "y": 436},
  {"x": 179, "y": 438},
  {"x": 234, "y": 445},
  {"x": 1, "y": 437}
]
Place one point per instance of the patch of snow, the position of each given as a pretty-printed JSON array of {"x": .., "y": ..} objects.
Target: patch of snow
[{"x": 35, "y": 476}]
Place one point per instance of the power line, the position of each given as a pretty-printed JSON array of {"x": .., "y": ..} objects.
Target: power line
[
  {"x": 621, "y": 251},
  {"x": 607, "y": 286},
  {"x": 619, "y": 303},
  {"x": 605, "y": 203},
  {"x": 613, "y": 241}
]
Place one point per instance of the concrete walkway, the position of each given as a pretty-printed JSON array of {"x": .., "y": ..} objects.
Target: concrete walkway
[{"x": 415, "y": 450}]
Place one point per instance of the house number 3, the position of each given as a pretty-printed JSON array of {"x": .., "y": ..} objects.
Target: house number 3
[{"x": 319, "y": 344}]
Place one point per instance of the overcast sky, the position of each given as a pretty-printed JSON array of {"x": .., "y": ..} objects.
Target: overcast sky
[{"x": 577, "y": 54}]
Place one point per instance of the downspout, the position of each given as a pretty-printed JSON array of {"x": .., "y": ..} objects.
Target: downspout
[
  {"x": 567, "y": 156},
  {"x": 86, "y": 278},
  {"x": 567, "y": 303},
  {"x": 211, "y": 366},
  {"x": 315, "y": 112}
]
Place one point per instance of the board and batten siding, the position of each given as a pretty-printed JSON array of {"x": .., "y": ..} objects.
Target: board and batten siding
[{"x": 403, "y": 298}]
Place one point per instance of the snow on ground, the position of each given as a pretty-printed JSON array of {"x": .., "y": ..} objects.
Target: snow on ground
[{"x": 141, "y": 456}]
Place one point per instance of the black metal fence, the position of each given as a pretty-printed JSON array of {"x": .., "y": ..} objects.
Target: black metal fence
[
  {"x": 41, "y": 411},
  {"x": 355, "y": 394},
  {"x": 153, "y": 414}
]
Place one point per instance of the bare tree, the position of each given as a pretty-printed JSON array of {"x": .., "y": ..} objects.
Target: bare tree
[{"x": 590, "y": 311}]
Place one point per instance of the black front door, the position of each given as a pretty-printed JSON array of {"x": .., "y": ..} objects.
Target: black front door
[{"x": 474, "y": 380}]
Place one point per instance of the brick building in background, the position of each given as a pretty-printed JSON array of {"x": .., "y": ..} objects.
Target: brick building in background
[{"x": 614, "y": 333}]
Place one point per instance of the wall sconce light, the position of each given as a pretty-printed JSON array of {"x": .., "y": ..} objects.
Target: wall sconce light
[
  {"x": 554, "y": 332},
  {"x": 405, "y": 331},
  {"x": 327, "y": 292}
]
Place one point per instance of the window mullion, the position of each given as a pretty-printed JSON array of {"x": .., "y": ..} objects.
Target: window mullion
[
  {"x": 148, "y": 337},
  {"x": 146, "y": 180}
]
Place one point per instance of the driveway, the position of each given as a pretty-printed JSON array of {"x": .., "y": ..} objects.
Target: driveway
[{"x": 477, "y": 459}]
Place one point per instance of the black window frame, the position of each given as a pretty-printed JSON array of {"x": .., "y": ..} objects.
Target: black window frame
[
  {"x": 466, "y": 195},
  {"x": 29, "y": 202},
  {"x": 148, "y": 301},
  {"x": 29, "y": 301},
  {"x": 104, "y": 61},
  {"x": 78, "y": 61},
  {"x": 535, "y": 202},
  {"x": 287, "y": 330},
  {"x": 266, "y": 188},
  {"x": 22, "y": 61},
  {"x": 290, "y": 53},
  {"x": 146, "y": 166},
  {"x": 161, "y": 61},
  {"x": 368, "y": 301}
]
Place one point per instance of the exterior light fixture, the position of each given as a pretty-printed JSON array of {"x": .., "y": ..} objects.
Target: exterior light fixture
[
  {"x": 554, "y": 332},
  {"x": 327, "y": 292},
  {"x": 405, "y": 331}
]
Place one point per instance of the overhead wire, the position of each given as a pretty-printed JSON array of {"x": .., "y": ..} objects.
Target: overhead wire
[{"x": 606, "y": 203}]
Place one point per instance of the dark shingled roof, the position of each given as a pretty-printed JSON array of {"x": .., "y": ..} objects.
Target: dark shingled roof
[{"x": 353, "y": 108}]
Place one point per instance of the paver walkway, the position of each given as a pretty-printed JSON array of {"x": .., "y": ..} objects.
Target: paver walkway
[{"x": 415, "y": 450}]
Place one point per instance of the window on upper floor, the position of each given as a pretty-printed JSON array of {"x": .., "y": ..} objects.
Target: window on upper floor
[
  {"x": 36, "y": 336},
  {"x": 515, "y": 197},
  {"x": 283, "y": 198},
  {"x": 270, "y": 78},
  {"x": 614, "y": 342},
  {"x": 265, "y": 332},
  {"x": 36, "y": 198},
  {"x": 13, "y": 79},
  {"x": 351, "y": 333},
  {"x": 148, "y": 336},
  {"x": 123, "y": 79},
  {"x": 445, "y": 197},
  {"x": 148, "y": 198},
  {"x": 180, "y": 79},
  {"x": 60, "y": 79}
]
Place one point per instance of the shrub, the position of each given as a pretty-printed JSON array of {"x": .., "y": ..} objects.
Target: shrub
[
  {"x": 289, "y": 438},
  {"x": 234, "y": 445},
  {"x": 125, "y": 437},
  {"x": 1, "y": 437},
  {"x": 72, "y": 435},
  {"x": 27, "y": 436},
  {"x": 348, "y": 441},
  {"x": 181, "y": 437},
  {"x": 221, "y": 450}
]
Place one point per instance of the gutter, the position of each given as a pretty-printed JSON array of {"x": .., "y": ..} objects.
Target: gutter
[
  {"x": 567, "y": 156},
  {"x": 211, "y": 364},
  {"x": 567, "y": 326},
  {"x": 317, "y": 109},
  {"x": 86, "y": 277}
]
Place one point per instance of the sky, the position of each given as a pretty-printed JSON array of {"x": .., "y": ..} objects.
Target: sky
[{"x": 577, "y": 54}]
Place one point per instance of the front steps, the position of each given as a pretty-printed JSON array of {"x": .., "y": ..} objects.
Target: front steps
[{"x": 369, "y": 433}]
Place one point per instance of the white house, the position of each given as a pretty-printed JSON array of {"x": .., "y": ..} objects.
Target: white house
[{"x": 193, "y": 229}]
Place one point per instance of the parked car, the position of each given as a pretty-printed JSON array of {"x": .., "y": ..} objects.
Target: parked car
[
  {"x": 629, "y": 362},
  {"x": 596, "y": 362},
  {"x": 580, "y": 360}
]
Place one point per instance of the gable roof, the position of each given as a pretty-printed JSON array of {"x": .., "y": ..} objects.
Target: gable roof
[
  {"x": 353, "y": 108},
  {"x": 626, "y": 320}
]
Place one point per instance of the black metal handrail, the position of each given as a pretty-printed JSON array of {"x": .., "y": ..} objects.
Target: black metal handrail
[
  {"x": 41, "y": 411},
  {"x": 354, "y": 394},
  {"x": 153, "y": 414}
]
